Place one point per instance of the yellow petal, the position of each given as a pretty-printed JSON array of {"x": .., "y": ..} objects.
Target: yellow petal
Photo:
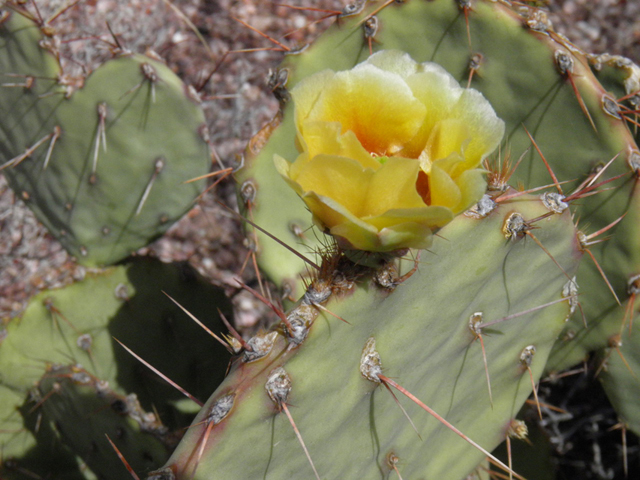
[
  {"x": 405, "y": 235},
  {"x": 451, "y": 164},
  {"x": 485, "y": 128},
  {"x": 306, "y": 93},
  {"x": 393, "y": 186},
  {"x": 431, "y": 217},
  {"x": 296, "y": 167},
  {"x": 326, "y": 138},
  {"x": 327, "y": 213},
  {"x": 438, "y": 92},
  {"x": 472, "y": 185},
  {"x": 389, "y": 151},
  {"x": 339, "y": 178},
  {"x": 377, "y": 106},
  {"x": 284, "y": 169},
  {"x": 355, "y": 236},
  {"x": 393, "y": 61},
  {"x": 444, "y": 191},
  {"x": 449, "y": 136}
]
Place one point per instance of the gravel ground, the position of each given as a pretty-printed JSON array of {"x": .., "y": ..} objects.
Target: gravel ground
[{"x": 600, "y": 26}]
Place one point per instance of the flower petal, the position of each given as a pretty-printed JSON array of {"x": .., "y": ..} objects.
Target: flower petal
[
  {"x": 354, "y": 236},
  {"x": 326, "y": 138},
  {"x": 305, "y": 94},
  {"x": 284, "y": 169},
  {"x": 393, "y": 61},
  {"x": 438, "y": 92},
  {"x": 377, "y": 106},
  {"x": 404, "y": 235},
  {"x": 393, "y": 186},
  {"x": 389, "y": 151},
  {"x": 448, "y": 137},
  {"x": 485, "y": 129},
  {"x": 444, "y": 191},
  {"x": 473, "y": 185},
  {"x": 328, "y": 213},
  {"x": 432, "y": 217},
  {"x": 339, "y": 178}
]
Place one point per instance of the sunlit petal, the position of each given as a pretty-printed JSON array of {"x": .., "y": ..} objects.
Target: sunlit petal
[
  {"x": 485, "y": 129},
  {"x": 430, "y": 217},
  {"x": 383, "y": 125},
  {"x": 393, "y": 61},
  {"x": 472, "y": 185},
  {"x": 329, "y": 212},
  {"x": 306, "y": 94}
]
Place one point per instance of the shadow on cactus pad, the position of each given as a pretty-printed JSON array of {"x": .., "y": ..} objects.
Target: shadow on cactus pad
[{"x": 62, "y": 370}]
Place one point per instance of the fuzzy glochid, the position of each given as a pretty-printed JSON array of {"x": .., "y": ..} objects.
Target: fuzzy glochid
[{"x": 389, "y": 151}]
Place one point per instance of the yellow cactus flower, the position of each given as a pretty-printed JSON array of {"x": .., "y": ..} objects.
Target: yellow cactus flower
[{"x": 389, "y": 151}]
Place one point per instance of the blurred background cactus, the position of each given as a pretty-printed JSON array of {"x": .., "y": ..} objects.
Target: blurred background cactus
[{"x": 108, "y": 109}]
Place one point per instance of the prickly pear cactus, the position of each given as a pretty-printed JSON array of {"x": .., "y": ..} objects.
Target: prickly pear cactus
[
  {"x": 537, "y": 82},
  {"x": 61, "y": 365},
  {"x": 419, "y": 331},
  {"x": 100, "y": 160},
  {"x": 349, "y": 422},
  {"x": 566, "y": 129},
  {"x": 620, "y": 378}
]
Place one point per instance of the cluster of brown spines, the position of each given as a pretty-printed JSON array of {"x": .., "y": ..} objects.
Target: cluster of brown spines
[
  {"x": 125, "y": 405},
  {"x": 336, "y": 275}
]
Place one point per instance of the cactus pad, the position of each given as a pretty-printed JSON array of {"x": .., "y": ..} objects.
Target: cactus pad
[
  {"x": 352, "y": 423},
  {"x": 100, "y": 160}
]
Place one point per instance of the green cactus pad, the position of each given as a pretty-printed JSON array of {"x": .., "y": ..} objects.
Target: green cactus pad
[
  {"x": 85, "y": 414},
  {"x": 621, "y": 378},
  {"x": 107, "y": 156},
  {"x": 620, "y": 258},
  {"x": 620, "y": 381},
  {"x": 77, "y": 324},
  {"x": 349, "y": 424},
  {"x": 21, "y": 456}
]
